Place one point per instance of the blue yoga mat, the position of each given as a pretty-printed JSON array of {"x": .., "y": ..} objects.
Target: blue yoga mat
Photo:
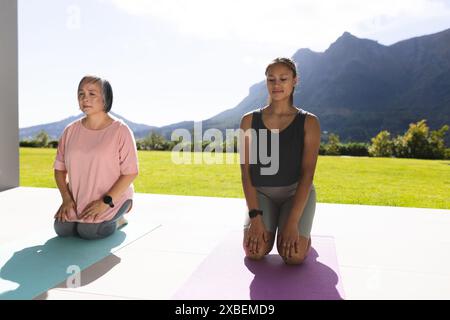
[{"x": 39, "y": 262}]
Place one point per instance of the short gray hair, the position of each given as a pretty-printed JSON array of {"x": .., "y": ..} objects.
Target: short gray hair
[{"x": 107, "y": 92}]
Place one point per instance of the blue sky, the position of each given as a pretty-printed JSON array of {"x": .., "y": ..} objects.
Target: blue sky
[{"x": 176, "y": 60}]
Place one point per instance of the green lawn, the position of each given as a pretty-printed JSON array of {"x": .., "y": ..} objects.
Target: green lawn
[{"x": 356, "y": 180}]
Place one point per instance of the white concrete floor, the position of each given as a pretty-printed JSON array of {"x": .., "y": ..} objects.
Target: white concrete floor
[{"x": 383, "y": 252}]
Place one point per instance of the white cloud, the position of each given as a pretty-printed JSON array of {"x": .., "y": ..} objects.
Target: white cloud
[{"x": 288, "y": 23}]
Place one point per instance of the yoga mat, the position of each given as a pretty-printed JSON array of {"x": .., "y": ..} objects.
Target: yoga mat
[
  {"x": 227, "y": 275},
  {"x": 39, "y": 262}
]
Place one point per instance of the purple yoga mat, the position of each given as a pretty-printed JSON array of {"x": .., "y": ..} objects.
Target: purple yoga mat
[{"x": 227, "y": 275}]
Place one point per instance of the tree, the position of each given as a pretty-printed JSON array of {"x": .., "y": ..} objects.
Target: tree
[
  {"x": 232, "y": 145},
  {"x": 399, "y": 147},
  {"x": 437, "y": 142},
  {"x": 416, "y": 140},
  {"x": 42, "y": 139},
  {"x": 419, "y": 142},
  {"x": 382, "y": 145},
  {"x": 153, "y": 141},
  {"x": 332, "y": 148}
]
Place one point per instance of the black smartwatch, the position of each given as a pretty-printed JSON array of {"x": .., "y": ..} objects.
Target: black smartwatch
[
  {"x": 108, "y": 200},
  {"x": 254, "y": 212}
]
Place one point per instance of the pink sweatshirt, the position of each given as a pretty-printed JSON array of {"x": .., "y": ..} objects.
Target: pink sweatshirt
[{"x": 94, "y": 161}]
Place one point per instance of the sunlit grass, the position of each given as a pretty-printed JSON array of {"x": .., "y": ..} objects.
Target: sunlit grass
[{"x": 355, "y": 180}]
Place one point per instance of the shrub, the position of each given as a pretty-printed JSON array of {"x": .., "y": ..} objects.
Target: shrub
[
  {"x": 332, "y": 147},
  {"x": 356, "y": 149},
  {"x": 382, "y": 145}
]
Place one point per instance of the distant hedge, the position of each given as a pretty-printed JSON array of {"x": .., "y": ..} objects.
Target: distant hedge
[{"x": 417, "y": 142}]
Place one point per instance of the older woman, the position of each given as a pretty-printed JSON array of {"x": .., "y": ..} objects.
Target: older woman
[{"x": 95, "y": 166}]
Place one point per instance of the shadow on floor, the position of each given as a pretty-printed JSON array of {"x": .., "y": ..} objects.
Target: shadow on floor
[
  {"x": 36, "y": 269},
  {"x": 274, "y": 280},
  {"x": 87, "y": 276}
]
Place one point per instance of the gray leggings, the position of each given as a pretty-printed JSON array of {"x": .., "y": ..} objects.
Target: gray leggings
[
  {"x": 91, "y": 231},
  {"x": 276, "y": 204}
]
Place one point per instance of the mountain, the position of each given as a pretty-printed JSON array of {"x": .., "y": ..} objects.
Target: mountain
[
  {"x": 358, "y": 87},
  {"x": 55, "y": 129}
]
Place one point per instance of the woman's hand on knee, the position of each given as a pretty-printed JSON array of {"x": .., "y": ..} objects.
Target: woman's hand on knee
[
  {"x": 288, "y": 241},
  {"x": 93, "y": 210},
  {"x": 63, "y": 211},
  {"x": 256, "y": 236}
]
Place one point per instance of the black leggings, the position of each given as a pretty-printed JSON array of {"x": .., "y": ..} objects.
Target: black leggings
[{"x": 90, "y": 231}]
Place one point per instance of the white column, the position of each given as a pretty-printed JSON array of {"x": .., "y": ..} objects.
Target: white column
[{"x": 9, "y": 120}]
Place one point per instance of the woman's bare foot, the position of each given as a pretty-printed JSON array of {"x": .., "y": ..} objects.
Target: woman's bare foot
[{"x": 122, "y": 222}]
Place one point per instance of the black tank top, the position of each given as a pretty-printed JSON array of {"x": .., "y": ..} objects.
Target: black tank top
[{"x": 291, "y": 141}]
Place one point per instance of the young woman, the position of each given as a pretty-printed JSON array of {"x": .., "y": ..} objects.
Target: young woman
[
  {"x": 284, "y": 201},
  {"x": 95, "y": 166}
]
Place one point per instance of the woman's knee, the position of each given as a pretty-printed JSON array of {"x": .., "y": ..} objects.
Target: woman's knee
[
  {"x": 296, "y": 259},
  {"x": 65, "y": 229},
  {"x": 254, "y": 255},
  {"x": 88, "y": 231},
  {"x": 258, "y": 255}
]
